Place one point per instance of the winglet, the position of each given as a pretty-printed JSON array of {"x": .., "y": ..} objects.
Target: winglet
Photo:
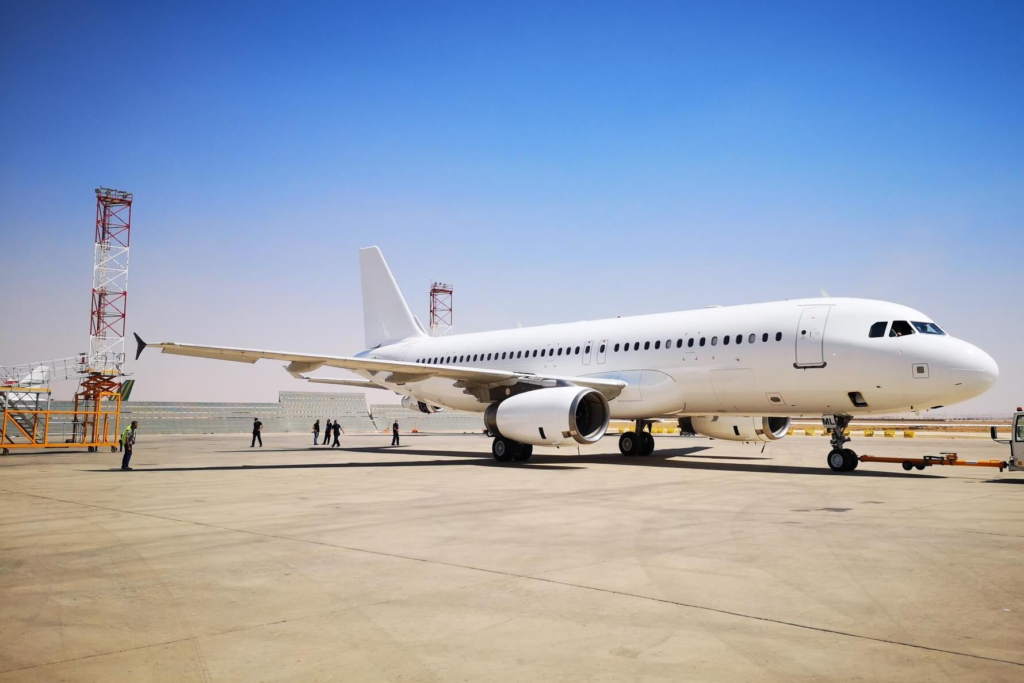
[{"x": 140, "y": 347}]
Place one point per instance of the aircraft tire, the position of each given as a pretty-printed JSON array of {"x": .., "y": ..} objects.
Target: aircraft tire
[
  {"x": 502, "y": 449},
  {"x": 837, "y": 461},
  {"x": 851, "y": 460},
  {"x": 524, "y": 453},
  {"x": 629, "y": 444},
  {"x": 647, "y": 445}
]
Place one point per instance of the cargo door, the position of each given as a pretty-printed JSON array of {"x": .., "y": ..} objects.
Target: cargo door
[{"x": 810, "y": 337}]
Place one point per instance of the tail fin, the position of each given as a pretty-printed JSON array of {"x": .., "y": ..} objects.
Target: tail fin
[{"x": 386, "y": 316}]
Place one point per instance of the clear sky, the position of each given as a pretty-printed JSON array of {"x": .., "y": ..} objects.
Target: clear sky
[{"x": 554, "y": 161}]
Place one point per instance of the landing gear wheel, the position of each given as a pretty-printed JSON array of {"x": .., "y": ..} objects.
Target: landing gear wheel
[
  {"x": 525, "y": 452},
  {"x": 502, "y": 449},
  {"x": 629, "y": 443},
  {"x": 837, "y": 461},
  {"x": 851, "y": 459},
  {"x": 647, "y": 446}
]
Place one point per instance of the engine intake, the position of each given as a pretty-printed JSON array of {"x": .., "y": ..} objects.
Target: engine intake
[
  {"x": 549, "y": 417},
  {"x": 729, "y": 428}
]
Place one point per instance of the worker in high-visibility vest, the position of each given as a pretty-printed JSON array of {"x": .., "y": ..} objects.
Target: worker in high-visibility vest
[{"x": 128, "y": 441}]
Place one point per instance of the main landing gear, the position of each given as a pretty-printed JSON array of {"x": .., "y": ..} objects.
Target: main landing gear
[
  {"x": 842, "y": 459},
  {"x": 639, "y": 442},
  {"x": 507, "y": 450}
]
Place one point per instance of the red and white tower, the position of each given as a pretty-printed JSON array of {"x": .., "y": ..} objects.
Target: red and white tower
[
  {"x": 109, "y": 281},
  {"x": 440, "y": 309}
]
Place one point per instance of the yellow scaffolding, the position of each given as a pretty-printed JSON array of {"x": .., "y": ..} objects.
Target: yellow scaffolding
[{"x": 94, "y": 424}]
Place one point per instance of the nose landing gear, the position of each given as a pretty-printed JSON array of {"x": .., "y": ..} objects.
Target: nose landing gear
[{"x": 842, "y": 459}]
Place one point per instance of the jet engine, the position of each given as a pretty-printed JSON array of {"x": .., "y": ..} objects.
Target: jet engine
[
  {"x": 412, "y": 404},
  {"x": 736, "y": 428},
  {"x": 550, "y": 417}
]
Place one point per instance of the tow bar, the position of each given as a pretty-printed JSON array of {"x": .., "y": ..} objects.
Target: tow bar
[{"x": 944, "y": 459}]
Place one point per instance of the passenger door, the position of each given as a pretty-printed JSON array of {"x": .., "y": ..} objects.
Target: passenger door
[{"x": 810, "y": 337}]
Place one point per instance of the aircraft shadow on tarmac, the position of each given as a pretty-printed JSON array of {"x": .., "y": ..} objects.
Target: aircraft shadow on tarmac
[{"x": 680, "y": 458}]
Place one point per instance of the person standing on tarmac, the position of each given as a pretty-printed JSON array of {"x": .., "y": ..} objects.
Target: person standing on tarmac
[
  {"x": 394, "y": 434},
  {"x": 337, "y": 433},
  {"x": 257, "y": 427},
  {"x": 128, "y": 441},
  {"x": 327, "y": 433},
  {"x": 316, "y": 432}
]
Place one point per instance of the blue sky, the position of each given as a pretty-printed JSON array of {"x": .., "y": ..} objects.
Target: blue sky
[{"x": 554, "y": 161}]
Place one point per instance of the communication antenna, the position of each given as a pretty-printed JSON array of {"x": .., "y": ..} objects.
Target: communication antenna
[{"x": 440, "y": 309}]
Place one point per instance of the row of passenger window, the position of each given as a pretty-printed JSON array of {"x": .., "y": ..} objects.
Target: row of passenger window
[
  {"x": 575, "y": 351},
  {"x": 752, "y": 338}
]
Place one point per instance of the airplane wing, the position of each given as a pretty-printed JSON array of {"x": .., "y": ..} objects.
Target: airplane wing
[{"x": 396, "y": 372}]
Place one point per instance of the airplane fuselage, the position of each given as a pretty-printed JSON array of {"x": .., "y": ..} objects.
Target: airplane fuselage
[{"x": 790, "y": 358}]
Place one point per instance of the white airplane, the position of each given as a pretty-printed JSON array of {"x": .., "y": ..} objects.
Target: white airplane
[{"x": 737, "y": 373}]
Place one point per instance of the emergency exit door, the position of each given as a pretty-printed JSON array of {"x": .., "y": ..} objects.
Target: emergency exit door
[{"x": 810, "y": 337}]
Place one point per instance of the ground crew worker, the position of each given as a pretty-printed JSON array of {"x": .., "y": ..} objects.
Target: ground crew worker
[
  {"x": 257, "y": 427},
  {"x": 327, "y": 432},
  {"x": 394, "y": 434},
  {"x": 316, "y": 432},
  {"x": 128, "y": 441},
  {"x": 337, "y": 433}
]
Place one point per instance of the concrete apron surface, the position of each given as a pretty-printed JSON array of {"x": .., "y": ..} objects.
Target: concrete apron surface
[{"x": 708, "y": 560}]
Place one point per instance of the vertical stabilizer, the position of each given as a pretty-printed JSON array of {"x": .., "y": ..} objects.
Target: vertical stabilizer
[{"x": 386, "y": 316}]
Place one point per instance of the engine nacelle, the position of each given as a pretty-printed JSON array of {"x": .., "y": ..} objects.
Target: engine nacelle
[
  {"x": 412, "y": 404},
  {"x": 731, "y": 428},
  {"x": 549, "y": 417}
]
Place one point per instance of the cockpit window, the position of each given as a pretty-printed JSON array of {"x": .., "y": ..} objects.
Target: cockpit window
[
  {"x": 878, "y": 329},
  {"x": 900, "y": 328},
  {"x": 928, "y": 328}
]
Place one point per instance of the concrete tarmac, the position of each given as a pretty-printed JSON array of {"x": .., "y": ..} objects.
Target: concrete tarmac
[{"x": 708, "y": 561}]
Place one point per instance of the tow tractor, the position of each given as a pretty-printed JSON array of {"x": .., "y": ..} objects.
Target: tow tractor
[{"x": 1014, "y": 464}]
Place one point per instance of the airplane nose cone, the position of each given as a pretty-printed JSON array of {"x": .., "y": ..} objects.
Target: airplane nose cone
[{"x": 976, "y": 371}]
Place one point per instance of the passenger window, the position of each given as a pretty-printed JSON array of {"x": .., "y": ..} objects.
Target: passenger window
[
  {"x": 535, "y": 353},
  {"x": 587, "y": 350},
  {"x": 602, "y": 348},
  {"x": 519, "y": 354},
  {"x": 559, "y": 351},
  {"x": 647, "y": 346},
  {"x": 764, "y": 337},
  {"x": 657, "y": 345},
  {"x": 689, "y": 343},
  {"x": 577, "y": 351},
  {"x": 636, "y": 346},
  {"x": 752, "y": 338},
  {"x": 488, "y": 356},
  {"x": 739, "y": 338},
  {"x": 616, "y": 348},
  {"x": 702, "y": 340},
  {"x": 900, "y": 328},
  {"x": 679, "y": 343},
  {"x": 778, "y": 336},
  {"x": 474, "y": 357},
  {"x": 714, "y": 341},
  {"x": 929, "y": 328},
  {"x": 877, "y": 330},
  {"x": 725, "y": 340}
]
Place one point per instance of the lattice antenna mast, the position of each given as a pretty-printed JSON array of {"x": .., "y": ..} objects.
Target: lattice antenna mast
[
  {"x": 109, "y": 281},
  {"x": 440, "y": 309}
]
